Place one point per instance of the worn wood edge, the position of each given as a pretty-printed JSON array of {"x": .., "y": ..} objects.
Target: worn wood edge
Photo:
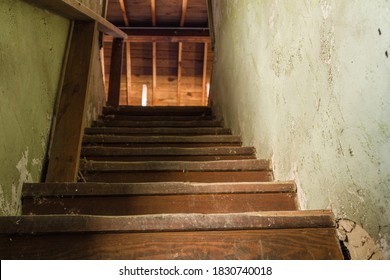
[
  {"x": 75, "y": 10},
  {"x": 41, "y": 224},
  {"x": 222, "y": 165},
  {"x": 36, "y": 190},
  {"x": 104, "y": 138},
  {"x": 167, "y": 151}
]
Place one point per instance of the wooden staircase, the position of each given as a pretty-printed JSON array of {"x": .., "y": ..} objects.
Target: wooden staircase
[{"x": 166, "y": 183}]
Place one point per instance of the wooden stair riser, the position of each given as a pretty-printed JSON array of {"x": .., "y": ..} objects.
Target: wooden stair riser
[
  {"x": 156, "y": 118},
  {"x": 162, "y": 141},
  {"x": 157, "y": 131},
  {"x": 155, "y": 124},
  {"x": 206, "y": 177},
  {"x": 141, "y": 205},
  {"x": 182, "y": 166}
]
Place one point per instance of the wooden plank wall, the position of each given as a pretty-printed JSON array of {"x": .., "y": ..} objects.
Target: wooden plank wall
[{"x": 167, "y": 70}]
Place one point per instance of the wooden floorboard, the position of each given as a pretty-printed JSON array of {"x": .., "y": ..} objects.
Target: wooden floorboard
[{"x": 288, "y": 244}]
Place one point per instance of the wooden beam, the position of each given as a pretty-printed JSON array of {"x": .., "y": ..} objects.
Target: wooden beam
[
  {"x": 179, "y": 59},
  {"x": 65, "y": 151},
  {"x": 183, "y": 12},
  {"x": 168, "y": 35},
  {"x": 75, "y": 10},
  {"x": 114, "y": 85},
  {"x": 154, "y": 71},
  {"x": 128, "y": 71},
  {"x": 211, "y": 22},
  {"x": 204, "y": 80},
  {"x": 153, "y": 10},
  {"x": 124, "y": 13},
  {"x": 163, "y": 32}
]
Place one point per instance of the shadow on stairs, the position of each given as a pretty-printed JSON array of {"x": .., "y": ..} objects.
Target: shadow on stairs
[{"x": 166, "y": 183}]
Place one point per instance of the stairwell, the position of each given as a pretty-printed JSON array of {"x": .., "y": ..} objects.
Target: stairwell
[{"x": 166, "y": 183}]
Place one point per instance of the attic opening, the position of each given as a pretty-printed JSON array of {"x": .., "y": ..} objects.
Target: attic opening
[{"x": 168, "y": 50}]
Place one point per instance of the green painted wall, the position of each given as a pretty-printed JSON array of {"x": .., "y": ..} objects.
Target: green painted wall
[
  {"x": 32, "y": 46},
  {"x": 307, "y": 83}
]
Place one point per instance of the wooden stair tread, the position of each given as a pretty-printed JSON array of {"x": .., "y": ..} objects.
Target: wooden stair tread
[
  {"x": 34, "y": 190},
  {"x": 30, "y": 224},
  {"x": 156, "y": 123},
  {"x": 278, "y": 244},
  {"x": 159, "y": 130},
  {"x": 183, "y": 166}
]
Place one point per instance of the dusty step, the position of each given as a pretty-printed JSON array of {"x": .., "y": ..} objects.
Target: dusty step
[
  {"x": 182, "y": 166},
  {"x": 139, "y": 199},
  {"x": 155, "y": 123},
  {"x": 167, "y": 153},
  {"x": 264, "y": 235},
  {"x": 165, "y": 141},
  {"x": 158, "y": 111},
  {"x": 159, "y": 130},
  {"x": 35, "y": 190}
]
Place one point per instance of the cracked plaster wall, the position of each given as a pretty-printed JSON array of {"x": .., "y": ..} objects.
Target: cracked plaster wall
[{"x": 307, "y": 83}]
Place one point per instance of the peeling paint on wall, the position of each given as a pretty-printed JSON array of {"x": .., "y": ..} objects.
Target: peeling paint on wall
[{"x": 12, "y": 205}]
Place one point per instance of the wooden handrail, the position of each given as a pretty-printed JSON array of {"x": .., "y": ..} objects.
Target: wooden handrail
[{"x": 75, "y": 10}]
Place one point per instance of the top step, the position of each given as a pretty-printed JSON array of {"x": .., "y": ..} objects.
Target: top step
[{"x": 158, "y": 111}]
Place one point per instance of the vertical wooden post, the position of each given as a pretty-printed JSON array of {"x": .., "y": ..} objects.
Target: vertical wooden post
[
  {"x": 128, "y": 72},
  {"x": 179, "y": 59},
  {"x": 114, "y": 86},
  {"x": 66, "y": 146},
  {"x": 204, "y": 80},
  {"x": 154, "y": 71}
]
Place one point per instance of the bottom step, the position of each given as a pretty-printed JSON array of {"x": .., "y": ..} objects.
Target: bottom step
[{"x": 264, "y": 235}]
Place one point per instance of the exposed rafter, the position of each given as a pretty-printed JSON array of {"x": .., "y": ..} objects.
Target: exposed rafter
[
  {"x": 153, "y": 10},
  {"x": 124, "y": 13},
  {"x": 183, "y": 12}
]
